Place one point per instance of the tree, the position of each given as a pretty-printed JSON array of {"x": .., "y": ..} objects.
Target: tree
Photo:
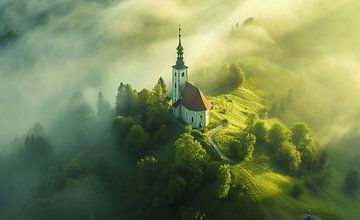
[
  {"x": 190, "y": 157},
  {"x": 103, "y": 107},
  {"x": 189, "y": 213},
  {"x": 37, "y": 146},
  {"x": 300, "y": 133},
  {"x": 236, "y": 150},
  {"x": 223, "y": 181},
  {"x": 243, "y": 149},
  {"x": 147, "y": 168},
  {"x": 189, "y": 154},
  {"x": 260, "y": 132},
  {"x": 251, "y": 120},
  {"x": 351, "y": 181},
  {"x": 122, "y": 125},
  {"x": 278, "y": 134},
  {"x": 288, "y": 157},
  {"x": 250, "y": 141},
  {"x": 157, "y": 116},
  {"x": 127, "y": 101},
  {"x": 147, "y": 165},
  {"x": 311, "y": 158},
  {"x": 161, "y": 136},
  {"x": 80, "y": 115},
  {"x": 274, "y": 109},
  {"x": 160, "y": 93},
  {"x": 176, "y": 189},
  {"x": 211, "y": 170},
  {"x": 158, "y": 112},
  {"x": 38, "y": 150},
  {"x": 161, "y": 82},
  {"x": 237, "y": 73},
  {"x": 146, "y": 99},
  {"x": 137, "y": 140}
]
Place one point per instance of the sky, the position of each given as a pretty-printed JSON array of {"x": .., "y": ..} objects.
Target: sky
[{"x": 92, "y": 45}]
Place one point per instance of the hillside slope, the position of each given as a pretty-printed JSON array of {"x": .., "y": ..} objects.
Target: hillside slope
[{"x": 268, "y": 82}]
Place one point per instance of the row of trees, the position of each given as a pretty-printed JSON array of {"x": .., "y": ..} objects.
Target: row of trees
[{"x": 293, "y": 149}]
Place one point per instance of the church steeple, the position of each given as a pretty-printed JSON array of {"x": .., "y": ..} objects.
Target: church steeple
[
  {"x": 179, "y": 72},
  {"x": 180, "y": 64}
]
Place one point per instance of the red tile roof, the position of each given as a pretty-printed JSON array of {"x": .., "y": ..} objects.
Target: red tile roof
[{"x": 193, "y": 99}]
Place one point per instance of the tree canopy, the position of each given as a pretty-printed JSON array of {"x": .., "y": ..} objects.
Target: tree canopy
[
  {"x": 223, "y": 181},
  {"x": 137, "y": 140}
]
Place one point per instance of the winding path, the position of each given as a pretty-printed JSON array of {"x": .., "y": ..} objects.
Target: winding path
[
  {"x": 220, "y": 153},
  {"x": 225, "y": 158}
]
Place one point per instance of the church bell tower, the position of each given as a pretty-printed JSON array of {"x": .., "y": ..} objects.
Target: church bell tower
[{"x": 179, "y": 72}]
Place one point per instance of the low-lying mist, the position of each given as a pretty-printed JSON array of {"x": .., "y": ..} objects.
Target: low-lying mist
[
  {"x": 91, "y": 46},
  {"x": 51, "y": 50}
]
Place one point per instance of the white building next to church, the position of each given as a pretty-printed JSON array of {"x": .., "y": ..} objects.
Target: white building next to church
[{"x": 189, "y": 104}]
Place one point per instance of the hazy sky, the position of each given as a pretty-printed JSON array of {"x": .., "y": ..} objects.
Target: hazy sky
[{"x": 90, "y": 46}]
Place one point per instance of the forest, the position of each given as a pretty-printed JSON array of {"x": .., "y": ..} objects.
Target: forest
[{"x": 86, "y": 130}]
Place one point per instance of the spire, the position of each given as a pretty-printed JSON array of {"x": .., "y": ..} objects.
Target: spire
[
  {"x": 179, "y": 48},
  {"x": 180, "y": 58}
]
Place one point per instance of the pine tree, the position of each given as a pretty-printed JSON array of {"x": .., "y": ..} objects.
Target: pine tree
[
  {"x": 103, "y": 106},
  {"x": 163, "y": 85},
  {"x": 127, "y": 101}
]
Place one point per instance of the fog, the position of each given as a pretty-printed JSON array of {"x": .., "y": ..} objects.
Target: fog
[
  {"x": 90, "y": 46},
  {"x": 87, "y": 46}
]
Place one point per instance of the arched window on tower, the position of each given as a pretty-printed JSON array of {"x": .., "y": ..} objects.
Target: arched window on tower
[
  {"x": 192, "y": 118},
  {"x": 175, "y": 85},
  {"x": 183, "y": 74},
  {"x": 175, "y": 74}
]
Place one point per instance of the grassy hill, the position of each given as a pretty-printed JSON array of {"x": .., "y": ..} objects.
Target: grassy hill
[{"x": 268, "y": 82}]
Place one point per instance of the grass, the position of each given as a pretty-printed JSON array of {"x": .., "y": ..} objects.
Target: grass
[{"x": 268, "y": 82}]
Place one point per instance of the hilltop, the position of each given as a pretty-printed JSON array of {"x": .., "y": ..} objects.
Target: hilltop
[{"x": 268, "y": 83}]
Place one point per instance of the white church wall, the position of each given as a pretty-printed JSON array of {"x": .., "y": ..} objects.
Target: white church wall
[
  {"x": 179, "y": 79},
  {"x": 194, "y": 118}
]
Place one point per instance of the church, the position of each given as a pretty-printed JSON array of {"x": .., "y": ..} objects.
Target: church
[{"x": 188, "y": 103}]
